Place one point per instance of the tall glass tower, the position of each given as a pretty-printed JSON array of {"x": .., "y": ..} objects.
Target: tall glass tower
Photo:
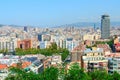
[{"x": 105, "y": 26}]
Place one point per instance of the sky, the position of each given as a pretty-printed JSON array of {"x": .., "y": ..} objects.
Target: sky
[{"x": 56, "y": 12}]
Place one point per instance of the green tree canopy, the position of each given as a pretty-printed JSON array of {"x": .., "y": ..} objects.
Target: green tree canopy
[{"x": 76, "y": 73}]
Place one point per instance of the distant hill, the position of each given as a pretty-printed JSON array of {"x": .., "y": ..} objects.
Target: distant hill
[
  {"x": 78, "y": 24},
  {"x": 89, "y": 24}
]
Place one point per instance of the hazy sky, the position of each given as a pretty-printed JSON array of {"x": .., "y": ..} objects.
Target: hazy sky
[{"x": 56, "y": 12}]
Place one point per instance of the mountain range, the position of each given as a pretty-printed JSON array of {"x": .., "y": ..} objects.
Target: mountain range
[{"x": 78, "y": 24}]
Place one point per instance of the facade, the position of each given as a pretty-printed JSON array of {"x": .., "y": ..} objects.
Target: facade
[
  {"x": 26, "y": 28},
  {"x": 117, "y": 47},
  {"x": 34, "y": 43},
  {"x": 76, "y": 57},
  {"x": 71, "y": 44},
  {"x": 105, "y": 27},
  {"x": 59, "y": 40},
  {"x": 7, "y": 43},
  {"x": 56, "y": 59},
  {"x": 117, "y": 40},
  {"x": 46, "y": 37},
  {"x": 113, "y": 62},
  {"x": 39, "y": 37},
  {"x": 91, "y": 37},
  {"x": 24, "y": 44},
  {"x": 45, "y": 44},
  {"x": 77, "y": 53},
  {"x": 94, "y": 60},
  {"x": 47, "y": 62},
  {"x": 114, "y": 65},
  {"x": 117, "y": 44}
]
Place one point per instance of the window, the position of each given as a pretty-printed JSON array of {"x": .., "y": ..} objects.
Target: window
[{"x": 21, "y": 46}]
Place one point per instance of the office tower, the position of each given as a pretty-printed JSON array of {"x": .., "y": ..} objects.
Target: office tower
[
  {"x": 105, "y": 27},
  {"x": 25, "y": 28},
  {"x": 39, "y": 37}
]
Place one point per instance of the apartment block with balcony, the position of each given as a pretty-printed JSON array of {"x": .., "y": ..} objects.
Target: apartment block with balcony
[
  {"x": 114, "y": 65},
  {"x": 113, "y": 62},
  {"x": 8, "y": 43},
  {"x": 94, "y": 60}
]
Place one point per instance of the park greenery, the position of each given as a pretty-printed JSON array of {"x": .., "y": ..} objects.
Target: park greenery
[
  {"x": 110, "y": 43},
  {"x": 53, "y": 73},
  {"x": 3, "y": 51},
  {"x": 53, "y": 49}
]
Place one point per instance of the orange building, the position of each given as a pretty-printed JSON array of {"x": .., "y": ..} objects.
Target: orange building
[{"x": 24, "y": 44}]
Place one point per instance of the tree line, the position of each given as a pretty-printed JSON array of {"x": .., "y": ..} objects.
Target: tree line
[
  {"x": 53, "y": 73},
  {"x": 53, "y": 49}
]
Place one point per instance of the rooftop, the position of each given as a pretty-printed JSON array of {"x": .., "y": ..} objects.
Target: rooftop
[
  {"x": 90, "y": 50},
  {"x": 3, "y": 66}
]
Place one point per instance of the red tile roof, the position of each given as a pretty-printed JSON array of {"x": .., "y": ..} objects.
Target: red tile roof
[
  {"x": 24, "y": 64},
  {"x": 3, "y": 66},
  {"x": 104, "y": 46},
  {"x": 80, "y": 47}
]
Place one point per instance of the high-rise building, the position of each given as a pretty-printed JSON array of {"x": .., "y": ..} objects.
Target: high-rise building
[
  {"x": 26, "y": 28},
  {"x": 105, "y": 27},
  {"x": 39, "y": 37}
]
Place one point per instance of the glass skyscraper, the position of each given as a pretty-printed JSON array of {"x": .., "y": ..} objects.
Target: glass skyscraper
[{"x": 105, "y": 26}]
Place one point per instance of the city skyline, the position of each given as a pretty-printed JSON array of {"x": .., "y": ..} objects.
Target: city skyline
[{"x": 60, "y": 12}]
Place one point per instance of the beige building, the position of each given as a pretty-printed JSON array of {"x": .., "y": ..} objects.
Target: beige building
[
  {"x": 91, "y": 37},
  {"x": 116, "y": 40},
  {"x": 94, "y": 59},
  {"x": 8, "y": 43}
]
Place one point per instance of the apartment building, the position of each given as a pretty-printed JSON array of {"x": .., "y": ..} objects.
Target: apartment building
[
  {"x": 94, "y": 60},
  {"x": 113, "y": 62},
  {"x": 24, "y": 44},
  {"x": 91, "y": 37},
  {"x": 8, "y": 43}
]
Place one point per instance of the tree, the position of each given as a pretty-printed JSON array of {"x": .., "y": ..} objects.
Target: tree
[
  {"x": 116, "y": 76},
  {"x": 96, "y": 75},
  {"x": 53, "y": 46},
  {"x": 47, "y": 52},
  {"x": 19, "y": 74},
  {"x": 76, "y": 73},
  {"x": 64, "y": 54},
  {"x": 50, "y": 74}
]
